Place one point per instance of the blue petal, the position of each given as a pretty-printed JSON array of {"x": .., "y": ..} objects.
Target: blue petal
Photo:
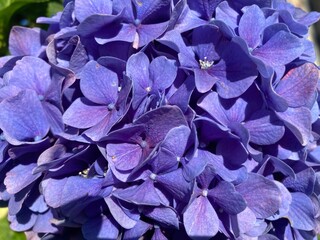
[
  {"x": 200, "y": 219},
  {"x": 84, "y": 8},
  {"x": 297, "y": 87},
  {"x": 261, "y": 194},
  {"x": 301, "y": 213},
  {"x": 22, "y": 117},
  {"x": 100, "y": 228},
  {"x": 251, "y": 25}
]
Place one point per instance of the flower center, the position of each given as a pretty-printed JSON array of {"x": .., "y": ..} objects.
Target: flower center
[
  {"x": 143, "y": 144},
  {"x": 110, "y": 106},
  {"x": 41, "y": 97},
  {"x": 37, "y": 138},
  {"x": 84, "y": 173},
  {"x": 2, "y": 137},
  {"x": 205, "y": 64},
  {"x": 204, "y": 192},
  {"x": 153, "y": 176},
  {"x": 137, "y": 22},
  {"x": 148, "y": 89}
]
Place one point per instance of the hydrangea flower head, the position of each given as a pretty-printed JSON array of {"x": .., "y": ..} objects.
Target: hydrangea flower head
[{"x": 166, "y": 119}]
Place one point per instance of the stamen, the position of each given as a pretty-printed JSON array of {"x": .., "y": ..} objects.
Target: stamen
[
  {"x": 84, "y": 173},
  {"x": 110, "y": 106},
  {"x": 41, "y": 97},
  {"x": 137, "y": 22},
  {"x": 37, "y": 138},
  {"x": 205, "y": 192},
  {"x": 153, "y": 176},
  {"x": 205, "y": 64},
  {"x": 143, "y": 144},
  {"x": 148, "y": 89},
  {"x": 2, "y": 137}
]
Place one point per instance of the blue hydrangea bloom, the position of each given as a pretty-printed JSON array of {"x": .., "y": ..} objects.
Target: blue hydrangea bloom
[{"x": 166, "y": 119}]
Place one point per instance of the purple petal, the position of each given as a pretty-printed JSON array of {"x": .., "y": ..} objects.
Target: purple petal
[
  {"x": 227, "y": 14},
  {"x": 183, "y": 19},
  {"x": 17, "y": 201},
  {"x": 84, "y": 8},
  {"x": 164, "y": 215},
  {"x": 205, "y": 40},
  {"x": 175, "y": 183},
  {"x": 273, "y": 164},
  {"x": 117, "y": 33},
  {"x": 23, "y": 221},
  {"x": 138, "y": 71},
  {"x": 59, "y": 192},
  {"x": 137, "y": 231},
  {"x": 148, "y": 33},
  {"x": 119, "y": 215},
  {"x": 19, "y": 177},
  {"x": 158, "y": 122},
  {"x": 204, "y": 80},
  {"x": 55, "y": 152},
  {"x": 164, "y": 161},
  {"x": 264, "y": 129},
  {"x": 54, "y": 117},
  {"x": 182, "y": 96},
  {"x": 94, "y": 23},
  {"x": 212, "y": 105},
  {"x": 272, "y": 98},
  {"x": 273, "y": 29},
  {"x": 261, "y": 194},
  {"x": 200, "y": 219},
  {"x": 25, "y": 41},
  {"x": 35, "y": 70},
  {"x": 246, "y": 220},
  {"x": 158, "y": 235},
  {"x": 251, "y": 25},
  {"x": 237, "y": 156},
  {"x": 195, "y": 166},
  {"x": 43, "y": 223},
  {"x": 292, "y": 24},
  {"x": 99, "y": 84},
  {"x": 125, "y": 156},
  {"x": 84, "y": 114},
  {"x": 204, "y": 7},
  {"x": 186, "y": 55},
  {"x": 22, "y": 117},
  {"x": 147, "y": 8},
  {"x": 299, "y": 85},
  {"x": 100, "y": 228},
  {"x": 281, "y": 49},
  {"x": 103, "y": 127},
  {"x": 144, "y": 194},
  {"x": 298, "y": 120},
  {"x": 301, "y": 213},
  {"x": 37, "y": 205},
  {"x": 226, "y": 174},
  {"x": 227, "y": 198},
  {"x": 126, "y": 6},
  {"x": 236, "y": 73},
  {"x": 8, "y": 91},
  {"x": 175, "y": 135},
  {"x": 303, "y": 181},
  {"x": 162, "y": 72},
  {"x": 286, "y": 200}
]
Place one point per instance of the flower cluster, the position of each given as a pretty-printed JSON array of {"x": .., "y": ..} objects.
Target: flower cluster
[{"x": 162, "y": 119}]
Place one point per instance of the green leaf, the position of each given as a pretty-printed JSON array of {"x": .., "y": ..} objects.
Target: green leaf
[
  {"x": 6, "y": 232},
  {"x": 53, "y": 8},
  {"x": 7, "y": 9}
]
